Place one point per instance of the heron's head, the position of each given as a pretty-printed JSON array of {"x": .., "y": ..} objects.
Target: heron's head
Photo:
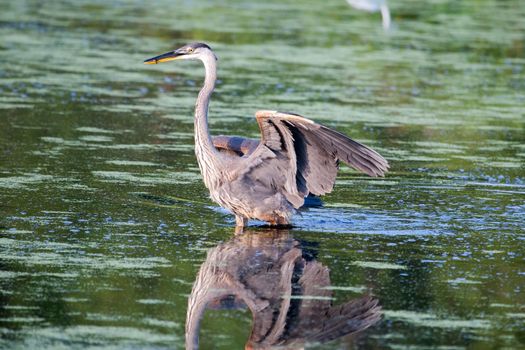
[{"x": 192, "y": 51}]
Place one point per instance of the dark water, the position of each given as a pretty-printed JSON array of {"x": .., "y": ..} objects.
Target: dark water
[{"x": 105, "y": 221}]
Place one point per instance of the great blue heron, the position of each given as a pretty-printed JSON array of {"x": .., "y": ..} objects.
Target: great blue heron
[
  {"x": 268, "y": 179},
  {"x": 373, "y": 6},
  {"x": 288, "y": 292}
]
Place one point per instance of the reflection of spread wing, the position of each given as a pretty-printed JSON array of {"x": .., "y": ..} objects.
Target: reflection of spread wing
[
  {"x": 234, "y": 145},
  {"x": 318, "y": 319},
  {"x": 302, "y": 156},
  {"x": 303, "y": 310},
  {"x": 354, "y": 316},
  {"x": 317, "y": 298}
]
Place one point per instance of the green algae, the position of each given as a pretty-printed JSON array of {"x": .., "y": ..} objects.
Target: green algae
[
  {"x": 105, "y": 220},
  {"x": 433, "y": 321},
  {"x": 131, "y": 163},
  {"x": 24, "y": 181},
  {"x": 379, "y": 265}
]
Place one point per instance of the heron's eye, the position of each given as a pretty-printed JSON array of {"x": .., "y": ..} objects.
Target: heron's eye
[{"x": 190, "y": 50}]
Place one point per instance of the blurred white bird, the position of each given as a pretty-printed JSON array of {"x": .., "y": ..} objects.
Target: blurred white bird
[{"x": 373, "y": 6}]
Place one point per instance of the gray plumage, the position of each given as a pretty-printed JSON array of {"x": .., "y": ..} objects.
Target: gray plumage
[
  {"x": 290, "y": 297},
  {"x": 269, "y": 179}
]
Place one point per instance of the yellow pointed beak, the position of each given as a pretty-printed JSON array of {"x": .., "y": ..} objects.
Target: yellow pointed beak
[{"x": 165, "y": 57}]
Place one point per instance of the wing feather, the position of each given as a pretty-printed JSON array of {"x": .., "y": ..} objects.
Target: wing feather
[{"x": 301, "y": 156}]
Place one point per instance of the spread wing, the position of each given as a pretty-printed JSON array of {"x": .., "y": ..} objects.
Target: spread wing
[{"x": 302, "y": 156}]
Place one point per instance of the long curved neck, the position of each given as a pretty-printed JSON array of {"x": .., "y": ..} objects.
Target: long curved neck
[{"x": 207, "y": 154}]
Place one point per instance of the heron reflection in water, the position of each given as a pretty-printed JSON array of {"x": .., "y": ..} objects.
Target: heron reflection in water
[
  {"x": 268, "y": 179},
  {"x": 287, "y": 291},
  {"x": 373, "y": 6}
]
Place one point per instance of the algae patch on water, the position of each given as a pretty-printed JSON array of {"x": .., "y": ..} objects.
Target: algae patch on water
[
  {"x": 433, "y": 321},
  {"x": 379, "y": 265},
  {"x": 24, "y": 181},
  {"x": 132, "y": 163},
  {"x": 147, "y": 179}
]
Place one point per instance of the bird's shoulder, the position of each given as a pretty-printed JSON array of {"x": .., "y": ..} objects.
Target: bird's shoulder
[{"x": 264, "y": 116}]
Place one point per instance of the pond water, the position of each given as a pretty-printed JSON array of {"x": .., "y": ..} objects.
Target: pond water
[{"x": 105, "y": 222}]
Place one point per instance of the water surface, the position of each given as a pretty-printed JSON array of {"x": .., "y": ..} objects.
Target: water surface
[{"x": 105, "y": 221}]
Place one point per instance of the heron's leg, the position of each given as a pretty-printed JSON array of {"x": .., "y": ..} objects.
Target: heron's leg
[
  {"x": 277, "y": 221},
  {"x": 240, "y": 222},
  {"x": 283, "y": 222}
]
